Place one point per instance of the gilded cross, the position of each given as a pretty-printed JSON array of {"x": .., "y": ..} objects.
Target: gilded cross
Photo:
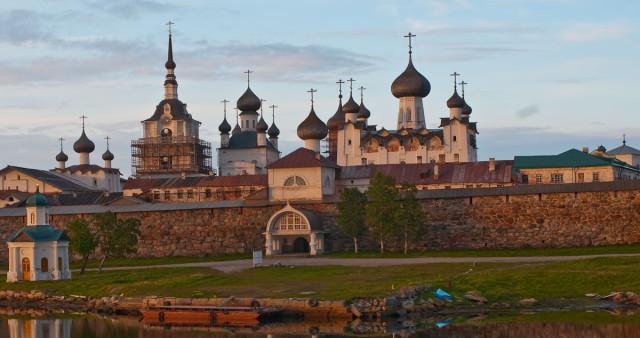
[
  {"x": 312, "y": 91},
  {"x": 462, "y": 86},
  {"x": 409, "y": 36},
  {"x": 248, "y": 72},
  {"x": 351, "y": 80},
  {"x": 169, "y": 24},
  {"x": 455, "y": 77}
]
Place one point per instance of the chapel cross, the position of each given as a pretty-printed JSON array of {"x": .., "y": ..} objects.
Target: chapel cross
[
  {"x": 273, "y": 112},
  {"x": 107, "y": 138},
  {"x": 455, "y": 77},
  {"x": 261, "y": 100},
  {"x": 351, "y": 80},
  {"x": 169, "y": 24},
  {"x": 409, "y": 36},
  {"x": 225, "y": 101},
  {"x": 83, "y": 118},
  {"x": 248, "y": 72},
  {"x": 312, "y": 91},
  {"x": 61, "y": 139},
  {"x": 362, "y": 89},
  {"x": 340, "y": 82},
  {"x": 462, "y": 86}
]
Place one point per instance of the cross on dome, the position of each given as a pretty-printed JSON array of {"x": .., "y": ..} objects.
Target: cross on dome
[
  {"x": 410, "y": 36},
  {"x": 248, "y": 72},
  {"x": 261, "y": 101},
  {"x": 340, "y": 82},
  {"x": 107, "y": 138},
  {"x": 83, "y": 118},
  {"x": 312, "y": 91},
  {"x": 362, "y": 89},
  {"x": 455, "y": 77},
  {"x": 169, "y": 24},
  {"x": 225, "y": 101},
  {"x": 273, "y": 112},
  {"x": 61, "y": 139},
  {"x": 462, "y": 86},
  {"x": 351, "y": 80}
]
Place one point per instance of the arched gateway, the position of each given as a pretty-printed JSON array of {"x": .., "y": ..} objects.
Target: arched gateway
[{"x": 292, "y": 230}]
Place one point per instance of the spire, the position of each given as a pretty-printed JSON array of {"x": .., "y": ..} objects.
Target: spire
[{"x": 170, "y": 83}]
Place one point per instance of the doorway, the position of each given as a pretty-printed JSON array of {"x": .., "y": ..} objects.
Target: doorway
[
  {"x": 26, "y": 269},
  {"x": 300, "y": 245}
]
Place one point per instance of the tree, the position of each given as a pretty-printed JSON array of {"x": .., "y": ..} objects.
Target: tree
[
  {"x": 118, "y": 237},
  {"x": 380, "y": 211},
  {"x": 351, "y": 211},
  {"x": 410, "y": 215},
  {"x": 83, "y": 240}
]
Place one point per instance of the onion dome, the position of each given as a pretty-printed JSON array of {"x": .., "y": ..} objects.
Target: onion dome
[
  {"x": 248, "y": 101},
  {"x": 236, "y": 129},
  {"x": 410, "y": 83},
  {"x": 107, "y": 156},
  {"x": 312, "y": 128},
  {"x": 37, "y": 200},
  {"x": 170, "y": 64},
  {"x": 224, "y": 127},
  {"x": 351, "y": 107},
  {"x": 455, "y": 101},
  {"x": 363, "y": 113},
  {"x": 337, "y": 120},
  {"x": 83, "y": 144},
  {"x": 466, "y": 109},
  {"x": 262, "y": 126},
  {"x": 273, "y": 131},
  {"x": 62, "y": 157}
]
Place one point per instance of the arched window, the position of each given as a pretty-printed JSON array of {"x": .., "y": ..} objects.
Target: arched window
[
  {"x": 33, "y": 218},
  {"x": 291, "y": 221},
  {"x": 294, "y": 180},
  {"x": 44, "y": 264}
]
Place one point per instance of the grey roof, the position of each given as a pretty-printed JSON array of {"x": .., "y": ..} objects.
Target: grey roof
[
  {"x": 314, "y": 222},
  {"x": 246, "y": 139},
  {"x": 54, "y": 179},
  {"x": 623, "y": 150}
]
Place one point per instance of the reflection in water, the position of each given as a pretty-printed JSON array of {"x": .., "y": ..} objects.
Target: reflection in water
[{"x": 540, "y": 324}]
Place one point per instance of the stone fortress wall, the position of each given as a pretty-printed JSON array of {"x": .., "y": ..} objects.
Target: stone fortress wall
[{"x": 505, "y": 217}]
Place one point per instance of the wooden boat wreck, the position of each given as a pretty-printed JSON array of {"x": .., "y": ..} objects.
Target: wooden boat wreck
[{"x": 190, "y": 314}]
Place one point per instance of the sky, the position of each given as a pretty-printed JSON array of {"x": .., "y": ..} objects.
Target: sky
[{"x": 544, "y": 76}]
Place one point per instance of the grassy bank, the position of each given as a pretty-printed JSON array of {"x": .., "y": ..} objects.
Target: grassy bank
[{"x": 497, "y": 281}]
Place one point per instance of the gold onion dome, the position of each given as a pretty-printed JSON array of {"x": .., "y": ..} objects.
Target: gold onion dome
[
  {"x": 83, "y": 144},
  {"x": 248, "y": 102},
  {"x": 410, "y": 83},
  {"x": 312, "y": 128},
  {"x": 455, "y": 101}
]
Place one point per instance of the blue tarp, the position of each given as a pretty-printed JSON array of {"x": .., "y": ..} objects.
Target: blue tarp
[
  {"x": 444, "y": 322},
  {"x": 442, "y": 295}
]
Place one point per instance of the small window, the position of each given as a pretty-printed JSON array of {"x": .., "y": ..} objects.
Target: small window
[
  {"x": 455, "y": 138},
  {"x": 167, "y": 195},
  {"x": 419, "y": 159},
  {"x": 33, "y": 218},
  {"x": 557, "y": 178},
  {"x": 254, "y": 123},
  {"x": 60, "y": 267},
  {"x": 349, "y": 142},
  {"x": 456, "y": 158},
  {"x": 207, "y": 193},
  {"x": 44, "y": 264},
  {"x": 189, "y": 193},
  {"x": 596, "y": 177},
  {"x": 538, "y": 178},
  {"x": 364, "y": 161},
  {"x": 180, "y": 194},
  {"x": 18, "y": 176},
  {"x": 95, "y": 181},
  {"x": 525, "y": 179},
  {"x": 238, "y": 193},
  {"x": 156, "y": 195}
]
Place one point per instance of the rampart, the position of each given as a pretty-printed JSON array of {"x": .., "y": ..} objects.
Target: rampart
[{"x": 581, "y": 214}]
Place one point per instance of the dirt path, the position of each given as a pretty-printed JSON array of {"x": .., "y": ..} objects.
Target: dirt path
[{"x": 237, "y": 265}]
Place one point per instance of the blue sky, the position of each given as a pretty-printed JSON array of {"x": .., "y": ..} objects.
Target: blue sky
[{"x": 544, "y": 76}]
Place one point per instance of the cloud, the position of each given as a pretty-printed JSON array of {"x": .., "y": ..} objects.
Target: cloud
[
  {"x": 528, "y": 111},
  {"x": 594, "y": 31},
  {"x": 131, "y": 9},
  {"x": 23, "y": 26}
]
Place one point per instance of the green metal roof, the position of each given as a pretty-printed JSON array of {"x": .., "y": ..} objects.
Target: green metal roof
[
  {"x": 39, "y": 233},
  {"x": 571, "y": 158},
  {"x": 37, "y": 200}
]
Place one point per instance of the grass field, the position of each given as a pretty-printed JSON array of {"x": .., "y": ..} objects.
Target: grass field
[{"x": 497, "y": 281}]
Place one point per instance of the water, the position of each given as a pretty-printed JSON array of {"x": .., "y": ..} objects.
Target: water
[{"x": 577, "y": 323}]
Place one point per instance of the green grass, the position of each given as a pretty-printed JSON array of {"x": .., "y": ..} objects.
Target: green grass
[
  {"x": 526, "y": 252},
  {"x": 114, "y": 262},
  {"x": 497, "y": 281}
]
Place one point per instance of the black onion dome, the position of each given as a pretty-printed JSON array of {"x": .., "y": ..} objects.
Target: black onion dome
[
  {"x": 262, "y": 125},
  {"x": 273, "y": 131},
  {"x": 312, "y": 128},
  {"x": 248, "y": 101},
  {"x": 351, "y": 107},
  {"x": 107, "y": 156},
  {"x": 466, "y": 109},
  {"x": 62, "y": 157},
  {"x": 224, "y": 127},
  {"x": 363, "y": 113},
  {"x": 170, "y": 64},
  {"x": 83, "y": 144},
  {"x": 410, "y": 83},
  {"x": 455, "y": 101},
  {"x": 236, "y": 129},
  {"x": 337, "y": 120}
]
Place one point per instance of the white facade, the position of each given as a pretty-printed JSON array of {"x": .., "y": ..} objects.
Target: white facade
[
  {"x": 294, "y": 230},
  {"x": 245, "y": 161},
  {"x": 301, "y": 183}
]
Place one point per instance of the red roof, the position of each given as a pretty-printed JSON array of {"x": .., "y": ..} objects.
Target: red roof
[
  {"x": 145, "y": 184},
  {"x": 421, "y": 174},
  {"x": 237, "y": 180},
  {"x": 302, "y": 158}
]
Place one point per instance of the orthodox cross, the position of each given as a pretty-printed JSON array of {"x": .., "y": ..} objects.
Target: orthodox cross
[
  {"x": 455, "y": 77},
  {"x": 107, "y": 138},
  {"x": 248, "y": 72},
  {"x": 83, "y": 118},
  {"x": 61, "y": 139},
  {"x": 312, "y": 91},
  {"x": 169, "y": 24},
  {"x": 351, "y": 80},
  {"x": 273, "y": 113},
  {"x": 462, "y": 86},
  {"x": 362, "y": 89},
  {"x": 409, "y": 36},
  {"x": 261, "y": 100},
  {"x": 340, "y": 82},
  {"x": 225, "y": 101}
]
